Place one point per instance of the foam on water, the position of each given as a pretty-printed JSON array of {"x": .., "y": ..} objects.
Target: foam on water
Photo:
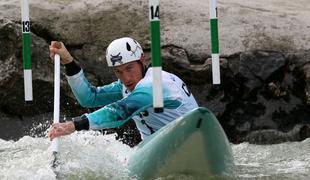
[
  {"x": 289, "y": 160},
  {"x": 87, "y": 155},
  {"x": 25, "y": 159},
  {"x": 90, "y": 155}
]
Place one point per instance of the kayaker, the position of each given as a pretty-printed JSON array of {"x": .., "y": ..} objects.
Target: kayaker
[{"x": 128, "y": 98}]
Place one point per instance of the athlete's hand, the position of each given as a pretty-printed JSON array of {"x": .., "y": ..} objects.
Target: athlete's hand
[
  {"x": 61, "y": 129},
  {"x": 60, "y": 48}
]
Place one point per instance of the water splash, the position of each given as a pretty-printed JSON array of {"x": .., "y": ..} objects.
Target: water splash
[
  {"x": 91, "y": 155},
  {"x": 289, "y": 160},
  {"x": 25, "y": 159},
  {"x": 82, "y": 156}
]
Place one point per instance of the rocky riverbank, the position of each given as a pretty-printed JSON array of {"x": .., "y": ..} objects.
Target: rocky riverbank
[{"x": 265, "y": 92}]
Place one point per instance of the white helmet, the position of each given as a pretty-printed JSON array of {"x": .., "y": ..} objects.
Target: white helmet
[{"x": 123, "y": 50}]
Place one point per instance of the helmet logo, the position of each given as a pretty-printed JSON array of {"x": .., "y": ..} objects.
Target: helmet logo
[
  {"x": 118, "y": 58},
  {"x": 133, "y": 52}
]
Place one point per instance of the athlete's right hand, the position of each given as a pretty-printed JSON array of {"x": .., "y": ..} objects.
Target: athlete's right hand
[{"x": 65, "y": 56}]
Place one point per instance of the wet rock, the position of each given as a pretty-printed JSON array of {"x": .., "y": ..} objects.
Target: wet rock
[
  {"x": 257, "y": 66},
  {"x": 270, "y": 136},
  {"x": 8, "y": 59},
  {"x": 275, "y": 90},
  {"x": 175, "y": 59},
  {"x": 306, "y": 70},
  {"x": 15, "y": 127},
  {"x": 274, "y": 98}
]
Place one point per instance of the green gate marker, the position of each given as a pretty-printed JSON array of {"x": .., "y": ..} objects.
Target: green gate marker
[
  {"x": 26, "y": 51},
  {"x": 156, "y": 56},
  {"x": 215, "y": 43}
]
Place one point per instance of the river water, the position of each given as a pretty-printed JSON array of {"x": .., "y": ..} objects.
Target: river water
[{"x": 90, "y": 155}]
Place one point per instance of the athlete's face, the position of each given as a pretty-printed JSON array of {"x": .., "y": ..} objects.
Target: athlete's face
[{"x": 130, "y": 73}]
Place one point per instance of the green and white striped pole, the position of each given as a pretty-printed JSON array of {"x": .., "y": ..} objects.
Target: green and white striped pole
[
  {"x": 26, "y": 51},
  {"x": 156, "y": 56},
  {"x": 214, "y": 43}
]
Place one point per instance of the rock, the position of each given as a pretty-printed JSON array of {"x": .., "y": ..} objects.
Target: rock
[
  {"x": 269, "y": 98},
  {"x": 175, "y": 60},
  {"x": 11, "y": 79},
  {"x": 16, "y": 127},
  {"x": 298, "y": 133},
  {"x": 256, "y": 67},
  {"x": 8, "y": 45},
  {"x": 275, "y": 90},
  {"x": 306, "y": 71}
]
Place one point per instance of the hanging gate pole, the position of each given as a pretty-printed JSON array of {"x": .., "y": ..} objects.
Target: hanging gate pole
[
  {"x": 26, "y": 51},
  {"x": 156, "y": 56},
  {"x": 214, "y": 43}
]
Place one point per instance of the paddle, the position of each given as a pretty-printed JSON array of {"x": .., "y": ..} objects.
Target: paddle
[{"x": 55, "y": 142}]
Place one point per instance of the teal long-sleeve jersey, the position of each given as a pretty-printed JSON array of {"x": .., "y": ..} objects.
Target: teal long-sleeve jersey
[{"x": 118, "y": 104}]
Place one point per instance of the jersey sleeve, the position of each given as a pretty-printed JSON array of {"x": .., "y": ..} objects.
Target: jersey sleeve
[
  {"x": 91, "y": 96},
  {"x": 119, "y": 112}
]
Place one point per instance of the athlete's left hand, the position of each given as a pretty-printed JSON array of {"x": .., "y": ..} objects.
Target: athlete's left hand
[{"x": 61, "y": 129}]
